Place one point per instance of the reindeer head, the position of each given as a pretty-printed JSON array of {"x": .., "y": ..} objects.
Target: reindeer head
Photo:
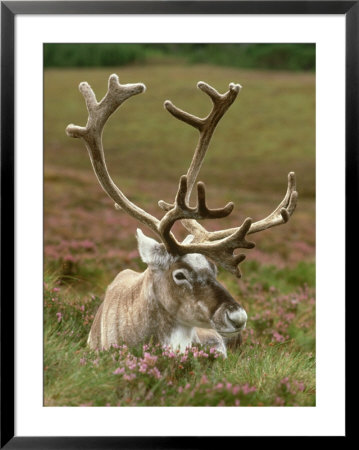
[
  {"x": 188, "y": 267},
  {"x": 188, "y": 289}
]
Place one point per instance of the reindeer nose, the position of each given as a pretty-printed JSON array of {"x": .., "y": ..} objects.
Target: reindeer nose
[{"x": 237, "y": 318}]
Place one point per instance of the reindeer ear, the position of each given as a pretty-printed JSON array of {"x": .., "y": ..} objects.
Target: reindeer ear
[{"x": 152, "y": 252}]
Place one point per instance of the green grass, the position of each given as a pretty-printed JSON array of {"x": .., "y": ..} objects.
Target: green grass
[
  {"x": 268, "y": 132},
  {"x": 283, "y": 279}
]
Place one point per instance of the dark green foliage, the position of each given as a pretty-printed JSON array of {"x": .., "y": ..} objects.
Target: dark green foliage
[
  {"x": 262, "y": 56},
  {"x": 91, "y": 55}
]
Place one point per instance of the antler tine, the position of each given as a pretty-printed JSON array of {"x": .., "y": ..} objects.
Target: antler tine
[
  {"x": 99, "y": 112},
  {"x": 280, "y": 215},
  {"x": 181, "y": 210},
  {"x": 283, "y": 211}
]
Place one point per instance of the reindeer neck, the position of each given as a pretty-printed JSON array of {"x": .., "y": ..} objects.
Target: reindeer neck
[{"x": 162, "y": 325}]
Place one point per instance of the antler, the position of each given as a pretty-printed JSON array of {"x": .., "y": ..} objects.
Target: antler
[
  {"x": 220, "y": 251},
  {"x": 92, "y": 135},
  {"x": 206, "y": 127}
]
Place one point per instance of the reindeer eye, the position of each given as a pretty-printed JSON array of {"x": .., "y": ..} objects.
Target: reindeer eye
[{"x": 180, "y": 276}]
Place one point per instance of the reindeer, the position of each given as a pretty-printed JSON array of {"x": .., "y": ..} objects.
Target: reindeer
[{"x": 177, "y": 300}]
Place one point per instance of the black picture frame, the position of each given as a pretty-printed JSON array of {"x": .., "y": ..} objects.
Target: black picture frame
[{"x": 9, "y": 10}]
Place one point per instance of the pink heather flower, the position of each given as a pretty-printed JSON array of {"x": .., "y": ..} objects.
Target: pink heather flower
[
  {"x": 69, "y": 258},
  {"x": 149, "y": 359},
  {"x": 119, "y": 370},
  {"x": 156, "y": 373},
  {"x": 278, "y": 337},
  {"x": 187, "y": 386},
  {"x": 300, "y": 386},
  {"x": 237, "y": 402},
  {"x": 212, "y": 350},
  {"x": 56, "y": 289},
  {"x": 235, "y": 390},
  {"x": 129, "y": 377},
  {"x": 59, "y": 316},
  {"x": 285, "y": 382},
  {"x": 204, "y": 379},
  {"x": 279, "y": 401},
  {"x": 95, "y": 362},
  {"x": 131, "y": 363},
  {"x": 83, "y": 361},
  {"x": 184, "y": 358},
  {"x": 180, "y": 389},
  {"x": 143, "y": 368},
  {"x": 87, "y": 244},
  {"x": 219, "y": 386},
  {"x": 246, "y": 389}
]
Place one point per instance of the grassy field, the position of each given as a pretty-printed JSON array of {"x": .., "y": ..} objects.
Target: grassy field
[{"x": 269, "y": 131}]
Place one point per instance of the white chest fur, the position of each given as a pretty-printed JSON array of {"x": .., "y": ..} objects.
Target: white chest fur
[{"x": 182, "y": 337}]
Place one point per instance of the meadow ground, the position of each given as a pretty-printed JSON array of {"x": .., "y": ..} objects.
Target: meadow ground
[{"x": 268, "y": 131}]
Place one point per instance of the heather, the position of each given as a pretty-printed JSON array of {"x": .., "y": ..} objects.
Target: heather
[
  {"x": 275, "y": 365},
  {"x": 268, "y": 132}
]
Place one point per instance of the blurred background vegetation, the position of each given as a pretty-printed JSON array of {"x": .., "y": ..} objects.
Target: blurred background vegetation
[
  {"x": 297, "y": 57},
  {"x": 268, "y": 132}
]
